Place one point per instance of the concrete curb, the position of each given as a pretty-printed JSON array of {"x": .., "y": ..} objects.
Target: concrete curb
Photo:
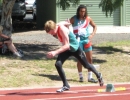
[{"x": 112, "y": 29}]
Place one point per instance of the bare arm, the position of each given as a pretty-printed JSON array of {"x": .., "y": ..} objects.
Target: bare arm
[
  {"x": 4, "y": 36},
  {"x": 72, "y": 20},
  {"x": 65, "y": 23},
  {"x": 6, "y": 39},
  {"x": 94, "y": 27}
]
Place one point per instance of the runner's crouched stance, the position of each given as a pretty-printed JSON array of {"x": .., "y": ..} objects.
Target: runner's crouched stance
[{"x": 69, "y": 48}]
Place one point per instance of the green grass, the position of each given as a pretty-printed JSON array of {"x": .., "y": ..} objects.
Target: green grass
[
  {"x": 119, "y": 43},
  {"x": 113, "y": 58},
  {"x": 117, "y": 55}
]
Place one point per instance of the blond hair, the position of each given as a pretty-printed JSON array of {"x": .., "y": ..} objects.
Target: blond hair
[
  {"x": 49, "y": 25},
  {"x": 1, "y": 28}
]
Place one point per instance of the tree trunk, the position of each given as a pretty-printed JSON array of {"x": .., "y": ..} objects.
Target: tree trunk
[
  {"x": 6, "y": 19},
  {"x": 40, "y": 13}
]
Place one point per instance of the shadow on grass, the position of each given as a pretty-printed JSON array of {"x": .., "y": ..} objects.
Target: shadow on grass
[
  {"x": 108, "y": 50},
  {"x": 35, "y": 51},
  {"x": 99, "y": 61},
  {"x": 38, "y": 51},
  {"x": 54, "y": 77}
]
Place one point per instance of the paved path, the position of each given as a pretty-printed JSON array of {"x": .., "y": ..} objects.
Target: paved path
[
  {"x": 113, "y": 29},
  {"x": 42, "y": 37}
]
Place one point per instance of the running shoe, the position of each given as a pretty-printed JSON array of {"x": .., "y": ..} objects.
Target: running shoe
[
  {"x": 100, "y": 79},
  {"x": 92, "y": 80},
  {"x": 17, "y": 54},
  {"x": 81, "y": 79},
  {"x": 64, "y": 88}
]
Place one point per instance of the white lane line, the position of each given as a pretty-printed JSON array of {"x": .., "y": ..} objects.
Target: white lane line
[
  {"x": 2, "y": 95},
  {"x": 75, "y": 97}
]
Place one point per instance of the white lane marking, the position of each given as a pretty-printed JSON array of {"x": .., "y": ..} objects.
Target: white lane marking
[
  {"x": 93, "y": 96},
  {"x": 2, "y": 95}
]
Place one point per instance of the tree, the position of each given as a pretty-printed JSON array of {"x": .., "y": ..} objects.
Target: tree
[
  {"x": 66, "y": 3},
  {"x": 108, "y": 6},
  {"x": 6, "y": 20}
]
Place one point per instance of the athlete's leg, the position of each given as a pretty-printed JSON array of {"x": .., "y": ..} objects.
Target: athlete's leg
[
  {"x": 60, "y": 60},
  {"x": 88, "y": 54},
  {"x": 79, "y": 66},
  {"x": 87, "y": 48},
  {"x": 89, "y": 59},
  {"x": 81, "y": 57}
]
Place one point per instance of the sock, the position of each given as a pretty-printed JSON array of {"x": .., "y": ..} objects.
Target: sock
[
  {"x": 89, "y": 75},
  {"x": 80, "y": 74}
]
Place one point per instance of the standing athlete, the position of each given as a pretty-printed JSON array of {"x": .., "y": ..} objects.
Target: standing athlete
[
  {"x": 80, "y": 23},
  {"x": 70, "y": 47}
]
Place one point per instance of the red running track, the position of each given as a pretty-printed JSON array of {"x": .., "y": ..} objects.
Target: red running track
[{"x": 75, "y": 93}]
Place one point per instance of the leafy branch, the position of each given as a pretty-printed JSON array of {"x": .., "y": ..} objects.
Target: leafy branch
[
  {"x": 109, "y": 6},
  {"x": 66, "y": 3}
]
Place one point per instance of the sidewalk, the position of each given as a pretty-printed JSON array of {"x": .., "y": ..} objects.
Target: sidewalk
[
  {"x": 40, "y": 36},
  {"x": 112, "y": 29}
]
